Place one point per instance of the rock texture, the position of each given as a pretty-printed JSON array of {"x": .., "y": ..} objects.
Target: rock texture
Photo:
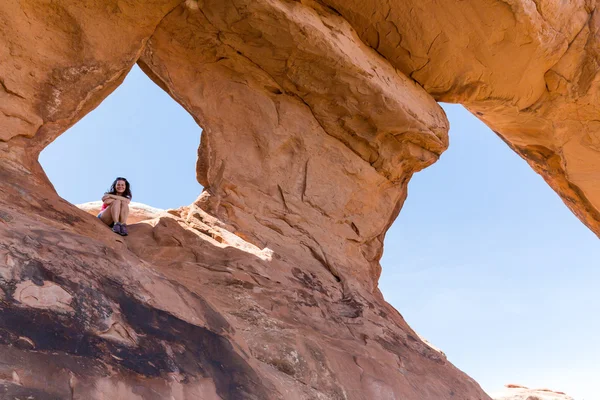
[
  {"x": 60, "y": 59},
  {"x": 315, "y": 117},
  {"x": 528, "y": 69},
  {"x": 265, "y": 288},
  {"x": 517, "y": 392},
  {"x": 184, "y": 309},
  {"x": 320, "y": 122}
]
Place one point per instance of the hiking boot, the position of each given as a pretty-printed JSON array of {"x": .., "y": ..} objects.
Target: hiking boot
[
  {"x": 124, "y": 230},
  {"x": 117, "y": 228}
]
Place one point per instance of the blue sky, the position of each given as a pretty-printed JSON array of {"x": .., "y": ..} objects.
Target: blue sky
[{"x": 484, "y": 261}]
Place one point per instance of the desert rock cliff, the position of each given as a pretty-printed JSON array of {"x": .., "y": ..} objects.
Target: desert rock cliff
[{"x": 315, "y": 115}]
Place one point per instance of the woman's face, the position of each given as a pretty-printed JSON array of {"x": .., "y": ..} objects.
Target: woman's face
[{"x": 120, "y": 186}]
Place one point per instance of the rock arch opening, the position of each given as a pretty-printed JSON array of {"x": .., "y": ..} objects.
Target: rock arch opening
[
  {"x": 513, "y": 270},
  {"x": 138, "y": 132}
]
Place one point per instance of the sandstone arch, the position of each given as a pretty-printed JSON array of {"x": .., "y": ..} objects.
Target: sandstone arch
[
  {"x": 528, "y": 69},
  {"x": 311, "y": 138}
]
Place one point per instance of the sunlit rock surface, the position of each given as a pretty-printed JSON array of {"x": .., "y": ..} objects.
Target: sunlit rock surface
[
  {"x": 315, "y": 117},
  {"x": 528, "y": 69},
  {"x": 518, "y": 392}
]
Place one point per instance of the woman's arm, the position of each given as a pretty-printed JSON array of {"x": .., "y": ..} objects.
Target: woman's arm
[
  {"x": 107, "y": 199},
  {"x": 113, "y": 197}
]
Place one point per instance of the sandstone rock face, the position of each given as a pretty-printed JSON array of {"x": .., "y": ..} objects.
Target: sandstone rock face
[
  {"x": 528, "y": 69},
  {"x": 184, "y": 309},
  {"x": 266, "y": 286},
  {"x": 325, "y": 188},
  {"x": 517, "y": 392},
  {"x": 60, "y": 59}
]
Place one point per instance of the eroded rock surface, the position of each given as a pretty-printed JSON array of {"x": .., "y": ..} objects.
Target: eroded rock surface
[
  {"x": 518, "y": 392},
  {"x": 528, "y": 69},
  {"x": 266, "y": 286},
  {"x": 178, "y": 308},
  {"x": 60, "y": 59},
  {"x": 330, "y": 133}
]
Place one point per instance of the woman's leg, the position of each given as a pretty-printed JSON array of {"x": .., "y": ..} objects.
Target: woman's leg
[
  {"x": 115, "y": 210},
  {"x": 107, "y": 215},
  {"x": 124, "y": 212}
]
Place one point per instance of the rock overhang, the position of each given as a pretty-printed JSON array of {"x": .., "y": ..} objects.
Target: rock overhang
[{"x": 311, "y": 138}]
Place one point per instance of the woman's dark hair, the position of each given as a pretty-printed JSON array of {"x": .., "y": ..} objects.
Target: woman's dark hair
[{"x": 113, "y": 189}]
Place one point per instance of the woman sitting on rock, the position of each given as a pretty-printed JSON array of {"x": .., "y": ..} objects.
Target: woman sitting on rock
[{"x": 115, "y": 207}]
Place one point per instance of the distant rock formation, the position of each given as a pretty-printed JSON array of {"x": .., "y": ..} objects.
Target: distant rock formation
[
  {"x": 315, "y": 116},
  {"x": 137, "y": 211},
  {"x": 518, "y": 392}
]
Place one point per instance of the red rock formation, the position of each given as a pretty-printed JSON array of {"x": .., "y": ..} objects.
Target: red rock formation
[
  {"x": 60, "y": 59},
  {"x": 266, "y": 286},
  {"x": 528, "y": 69},
  {"x": 299, "y": 186}
]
